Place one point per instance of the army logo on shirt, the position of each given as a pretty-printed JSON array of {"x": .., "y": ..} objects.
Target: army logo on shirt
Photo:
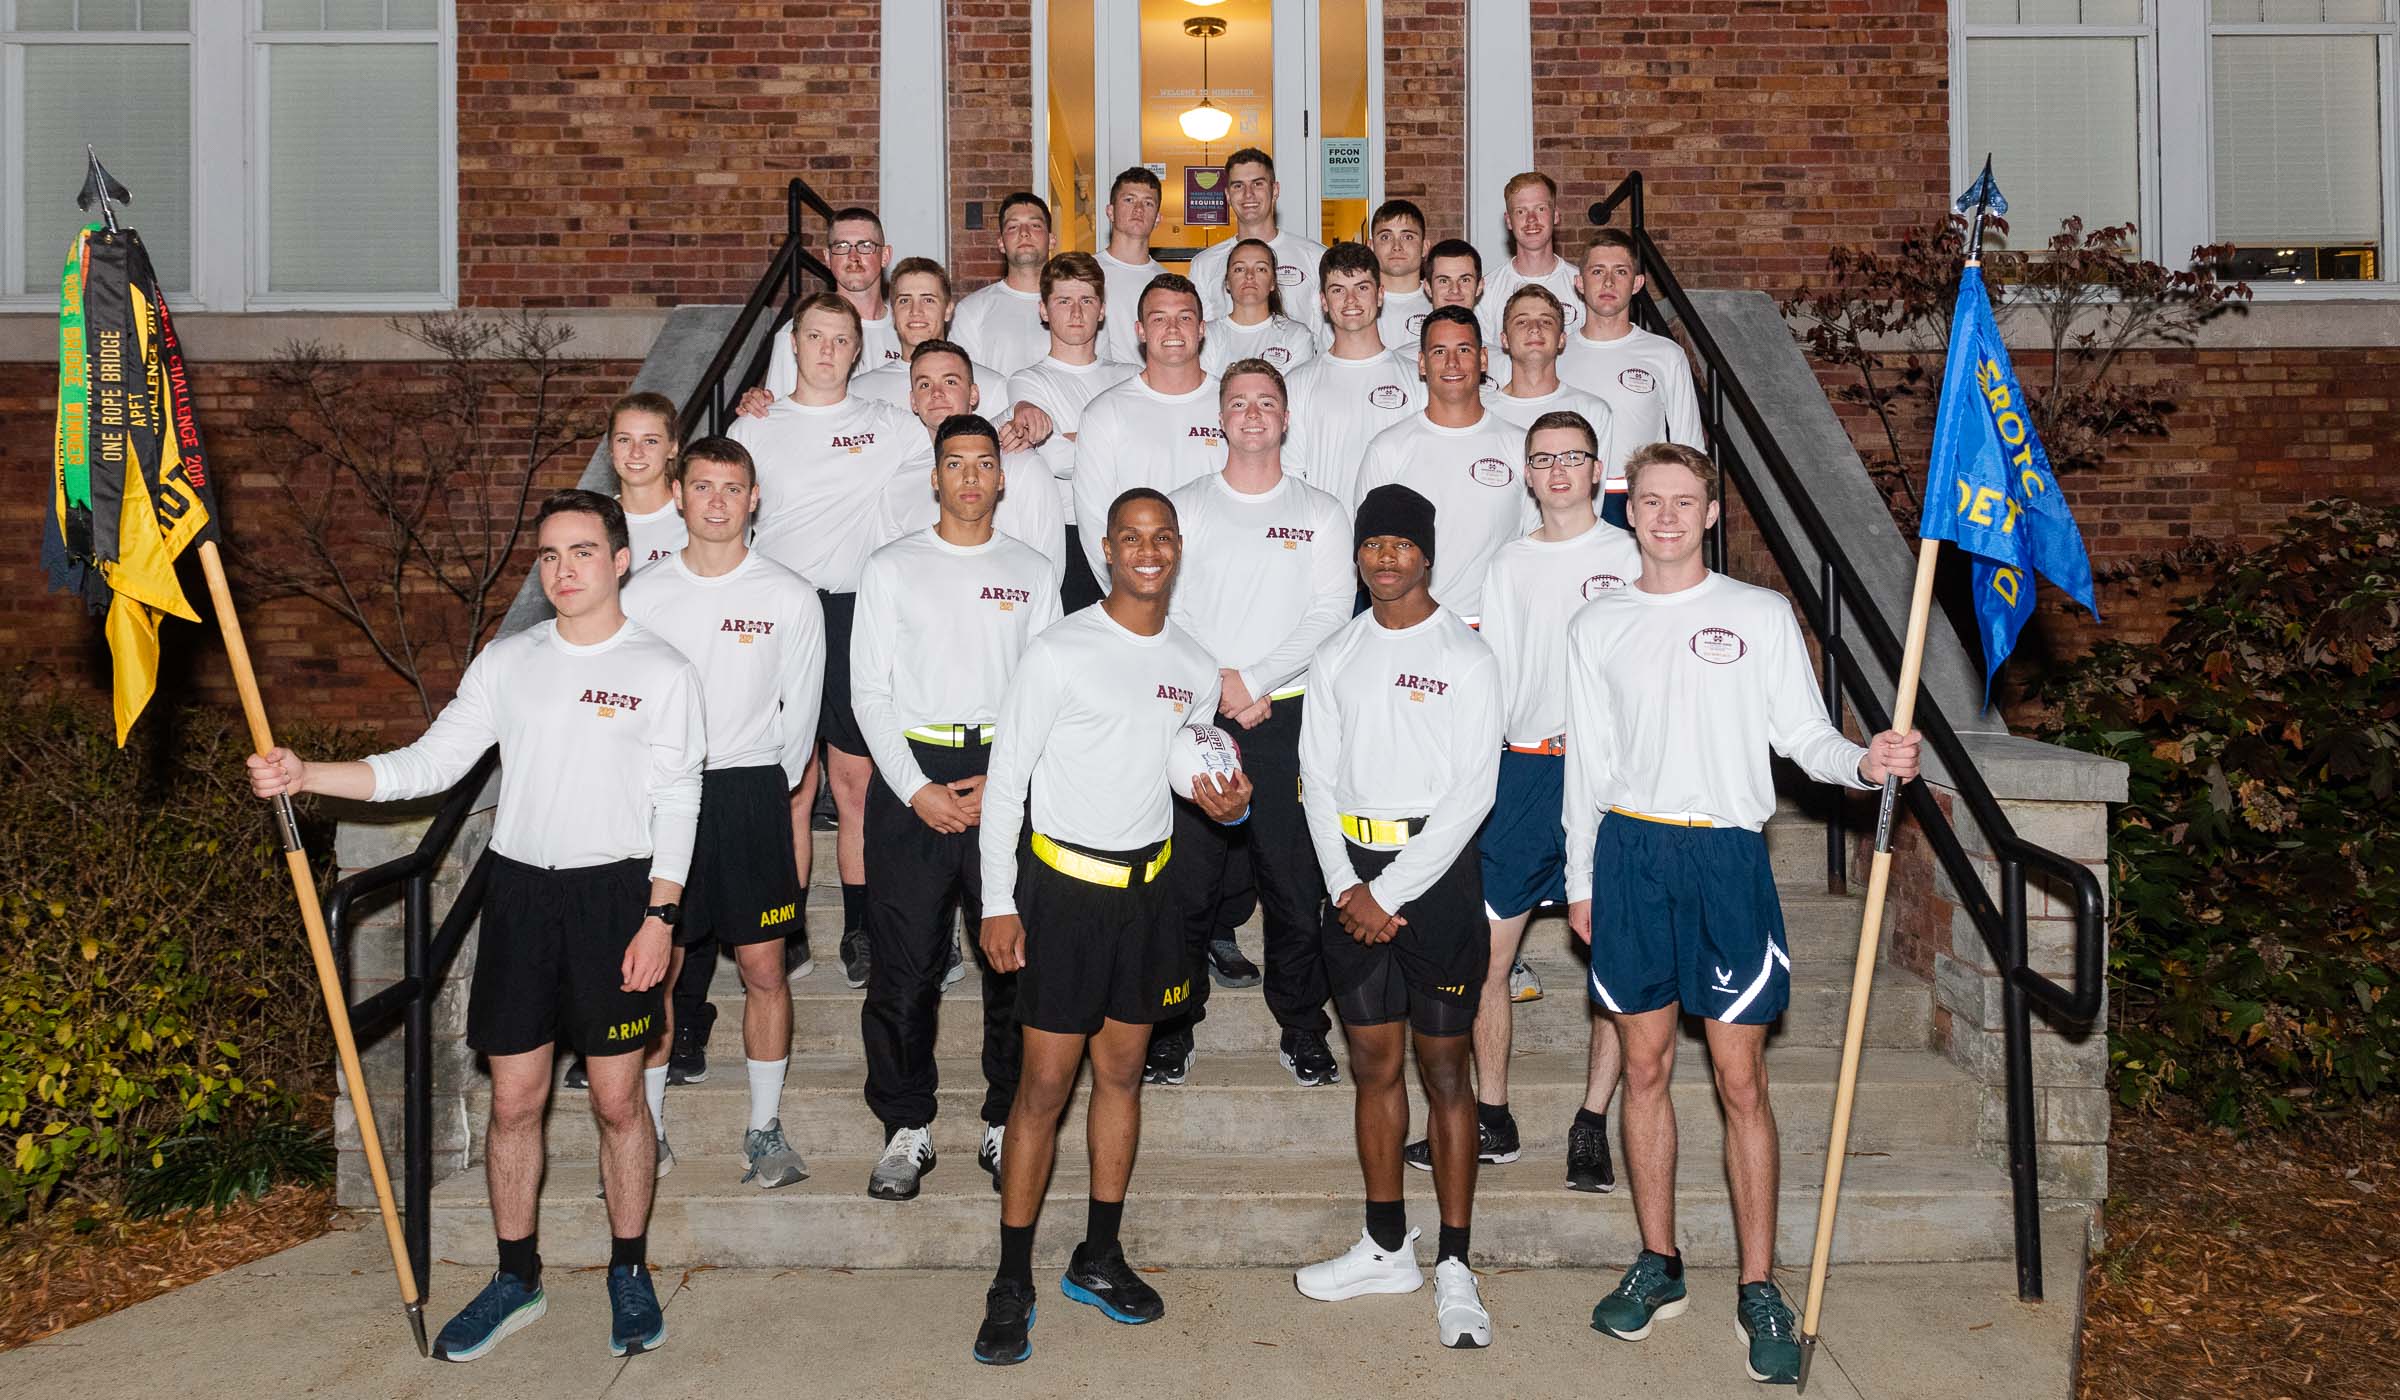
[
  {"x": 609, "y": 702},
  {"x": 1491, "y": 471},
  {"x": 856, "y": 442},
  {"x": 1176, "y": 694},
  {"x": 1387, "y": 396},
  {"x": 1598, "y": 584},
  {"x": 1007, "y": 598},
  {"x": 1718, "y": 647},
  {"x": 1638, "y": 380}
]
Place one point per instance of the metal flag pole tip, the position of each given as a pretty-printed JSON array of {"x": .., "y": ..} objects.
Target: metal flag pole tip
[
  {"x": 416, "y": 1324},
  {"x": 1808, "y": 1353},
  {"x": 102, "y": 189}
]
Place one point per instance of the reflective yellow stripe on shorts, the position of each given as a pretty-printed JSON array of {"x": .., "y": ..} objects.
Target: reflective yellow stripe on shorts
[
  {"x": 951, "y": 736},
  {"x": 1662, "y": 821},
  {"x": 1289, "y": 693},
  {"x": 1375, "y": 831},
  {"x": 1092, "y": 870}
]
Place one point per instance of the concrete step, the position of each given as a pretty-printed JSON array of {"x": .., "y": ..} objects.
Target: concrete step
[
  {"x": 1227, "y": 1210},
  {"x": 1249, "y": 1104},
  {"x": 825, "y": 1013}
]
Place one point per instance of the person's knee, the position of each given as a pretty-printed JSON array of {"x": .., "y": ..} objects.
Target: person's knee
[
  {"x": 1648, "y": 1068},
  {"x": 619, "y": 1108},
  {"x": 1376, "y": 1066},
  {"x": 1444, "y": 1069},
  {"x": 1116, "y": 1075},
  {"x": 518, "y": 1108},
  {"x": 761, "y": 966},
  {"x": 1741, "y": 1086}
]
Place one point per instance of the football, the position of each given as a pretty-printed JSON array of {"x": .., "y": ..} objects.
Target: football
[{"x": 1197, "y": 749}]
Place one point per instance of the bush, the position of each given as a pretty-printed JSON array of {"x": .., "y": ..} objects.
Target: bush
[
  {"x": 154, "y": 985},
  {"x": 2255, "y": 922}
]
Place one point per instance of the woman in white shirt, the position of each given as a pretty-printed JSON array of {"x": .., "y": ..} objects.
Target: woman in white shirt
[{"x": 1256, "y": 327}]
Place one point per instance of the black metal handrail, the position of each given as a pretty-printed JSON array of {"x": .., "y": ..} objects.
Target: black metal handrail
[
  {"x": 789, "y": 272},
  {"x": 426, "y": 953},
  {"x": 2001, "y": 925}
]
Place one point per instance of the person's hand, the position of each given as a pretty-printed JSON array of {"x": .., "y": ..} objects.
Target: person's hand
[
  {"x": 938, "y": 807},
  {"x": 1003, "y": 940},
  {"x": 277, "y": 773},
  {"x": 1233, "y": 697},
  {"x": 646, "y": 956},
  {"x": 1363, "y": 919},
  {"x": 1579, "y": 919},
  {"x": 1029, "y": 425},
  {"x": 970, "y": 798},
  {"x": 1892, "y": 754},
  {"x": 1256, "y": 715},
  {"x": 755, "y": 402},
  {"x": 1224, "y": 799}
]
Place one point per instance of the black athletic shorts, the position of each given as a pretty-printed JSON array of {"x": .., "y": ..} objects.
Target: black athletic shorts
[
  {"x": 837, "y": 724},
  {"x": 745, "y": 885},
  {"x": 1097, "y": 952},
  {"x": 1432, "y": 970},
  {"x": 550, "y": 962}
]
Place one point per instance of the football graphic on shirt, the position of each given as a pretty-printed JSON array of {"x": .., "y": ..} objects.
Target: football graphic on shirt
[{"x": 1198, "y": 749}]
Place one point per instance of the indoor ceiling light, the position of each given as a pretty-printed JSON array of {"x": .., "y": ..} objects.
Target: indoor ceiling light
[{"x": 1207, "y": 122}]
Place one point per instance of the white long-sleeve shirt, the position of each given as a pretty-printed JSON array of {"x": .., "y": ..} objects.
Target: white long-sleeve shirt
[
  {"x": 1505, "y": 280},
  {"x": 1279, "y": 340},
  {"x": 1533, "y": 591},
  {"x": 601, "y": 748},
  {"x": 1132, "y": 436},
  {"x": 939, "y": 631},
  {"x": 1265, "y": 579},
  {"x": 1338, "y": 406},
  {"x": 757, "y": 635},
  {"x": 1085, "y": 725},
  {"x": 1674, "y": 702},
  {"x": 1401, "y": 723},
  {"x": 1295, "y": 275},
  {"x": 1475, "y": 478},
  {"x": 1001, "y": 327},
  {"x": 890, "y": 385},
  {"x": 1647, "y": 381},
  {"x": 1062, "y": 390},
  {"x": 1120, "y": 305},
  {"x": 1028, "y": 512},
  {"x": 1566, "y": 398},
  {"x": 879, "y": 345},
  {"x": 654, "y": 535},
  {"x": 822, "y": 473},
  {"x": 1402, "y": 321}
]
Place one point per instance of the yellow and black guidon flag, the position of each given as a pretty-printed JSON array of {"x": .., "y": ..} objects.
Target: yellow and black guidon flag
[{"x": 129, "y": 482}]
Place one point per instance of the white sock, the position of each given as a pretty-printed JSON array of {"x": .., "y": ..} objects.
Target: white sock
[
  {"x": 766, "y": 1090},
  {"x": 654, "y": 1088}
]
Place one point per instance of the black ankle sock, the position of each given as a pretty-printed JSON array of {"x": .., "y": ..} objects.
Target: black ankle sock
[
  {"x": 1491, "y": 1115},
  {"x": 629, "y": 1253},
  {"x": 1016, "y": 1254},
  {"x": 519, "y": 1257},
  {"x": 1100, "y": 1225},
  {"x": 1387, "y": 1224},
  {"x": 1585, "y": 1118},
  {"x": 854, "y": 906},
  {"x": 1674, "y": 1263},
  {"x": 1454, "y": 1244}
]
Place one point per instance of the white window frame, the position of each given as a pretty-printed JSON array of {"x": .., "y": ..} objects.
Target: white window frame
[
  {"x": 2178, "y": 169},
  {"x": 229, "y": 132}
]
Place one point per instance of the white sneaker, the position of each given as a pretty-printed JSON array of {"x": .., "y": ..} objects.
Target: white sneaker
[
  {"x": 1458, "y": 1309},
  {"x": 906, "y": 1159},
  {"x": 1364, "y": 1269},
  {"x": 995, "y": 1136}
]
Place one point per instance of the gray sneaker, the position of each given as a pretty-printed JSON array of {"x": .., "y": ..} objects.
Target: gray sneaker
[
  {"x": 906, "y": 1159},
  {"x": 666, "y": 1163},
  {"x": 957, "y": 967},
  {"x": 772, "y": 1161}
]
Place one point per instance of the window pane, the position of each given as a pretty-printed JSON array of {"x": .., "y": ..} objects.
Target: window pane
[
  {"x": 166, "y": 14},
  {"x": 413, "y": 14},
  {"x": 294, "y": 14},
  {"x": 133, "y": 102},
  {"x": 2112, "y": 11},
  {"x": 2048, "y": 11},
  {"x": 1342, "y": 50},
  {"x": 2299, "y": 151},
  {"x": 46, "y": 14},
  {"x": 353, "y": 169},
  {"x": 354, "y": 14},
  {"x": 1991, "y": 11},
  {"x": 95, "y": 16},
  {"x": 2062, "y": 121},
  {"x": 1075, "y": 197}
]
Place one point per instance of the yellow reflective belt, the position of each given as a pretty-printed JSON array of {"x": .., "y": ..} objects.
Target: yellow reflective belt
[
  {"x": 1092, "y": 870},
  {"x": 1293, "y": 693},
  {"x": 1662, "y": 821},
  {"x": 1374, "y": 831},
  {"x": 951, "y": 736}
]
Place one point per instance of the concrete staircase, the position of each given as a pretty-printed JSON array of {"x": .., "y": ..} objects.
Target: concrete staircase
[{"x": 1240, "y": 1166}]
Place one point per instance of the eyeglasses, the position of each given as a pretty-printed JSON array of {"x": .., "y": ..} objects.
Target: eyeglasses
[
  {"x": 863, "y": 247},
  {"x": 1570, "y": 461}
]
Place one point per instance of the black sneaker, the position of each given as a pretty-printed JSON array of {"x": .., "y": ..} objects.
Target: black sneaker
[
  {"x": 1006, "y": 1336},
  {"x": 687, "y": 1063},
  {"x": 577, "y": 1076},
  {"x": 1309, "y": 1058},
  {"x": 1170, "y": 1058},
  {"x": 1228, "y": 968},
  {"x": 1588, "y": 1167},
  {"x": 855, "y": 957},
  {"x": 1108, "y": 1283},
  {"x": 1494, "y": 1146},
  {"x": 796, "y": 961}
]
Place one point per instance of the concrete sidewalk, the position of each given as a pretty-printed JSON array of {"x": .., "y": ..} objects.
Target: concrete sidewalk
[{"x": 323, "y": 1319}]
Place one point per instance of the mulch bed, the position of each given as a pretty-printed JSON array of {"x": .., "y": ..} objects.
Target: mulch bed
[
  {"x": 54, "y": 1275},
  {"x": 2262, "y": 1267}
]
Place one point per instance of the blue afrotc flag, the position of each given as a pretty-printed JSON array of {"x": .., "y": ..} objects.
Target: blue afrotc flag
[{"x": 1990, "y": 489}]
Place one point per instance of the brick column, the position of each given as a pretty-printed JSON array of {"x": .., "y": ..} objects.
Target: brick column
[{"x": 376, "y": 962}]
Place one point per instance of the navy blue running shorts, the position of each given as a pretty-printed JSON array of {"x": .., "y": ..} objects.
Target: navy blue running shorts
[
  {"x": 1524, "y": 841},
  {"x": 1687, "y": 915}
]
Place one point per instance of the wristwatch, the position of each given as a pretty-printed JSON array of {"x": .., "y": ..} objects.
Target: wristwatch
[{"x": 669, "y": 914}]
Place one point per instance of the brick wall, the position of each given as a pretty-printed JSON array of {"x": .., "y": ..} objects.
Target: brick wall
[
  {"x": 1425, "y": 110},
  {"x": 991, "y": 127},
  {"x": 1766, "y": 132},
  {"x": 635, "y": 155},
  {"x": 312, "y": 666}
]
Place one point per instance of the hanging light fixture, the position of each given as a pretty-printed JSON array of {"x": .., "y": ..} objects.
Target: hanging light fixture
[{"x": 1208, "y": 121}]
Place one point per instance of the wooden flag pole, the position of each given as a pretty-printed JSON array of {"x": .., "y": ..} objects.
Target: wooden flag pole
[
  {"x": 1870, "y": 936},
  {"x": 320, "y": 946}
]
